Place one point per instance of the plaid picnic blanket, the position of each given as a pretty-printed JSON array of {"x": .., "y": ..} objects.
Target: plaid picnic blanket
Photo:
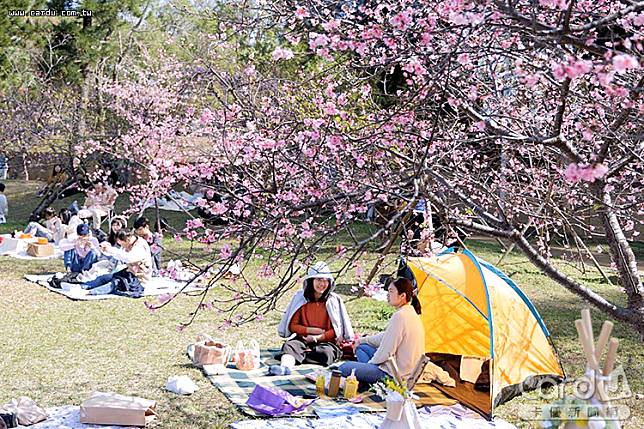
[{"x": 237, "y": 386}]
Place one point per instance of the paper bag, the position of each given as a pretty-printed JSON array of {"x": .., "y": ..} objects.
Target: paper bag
[
  {"x": 26, "y": 411},
  {"x": 401, "y": 415},
  {"x": 39, "y": 250},
  {"x": 247, "y": 357},
  {"x": 113, "y": 409},
  {"x": 275, "y": 402},
  {"x": 211, "y": 352}
]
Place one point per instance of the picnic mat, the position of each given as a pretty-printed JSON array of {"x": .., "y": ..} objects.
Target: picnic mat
[
  {"x": 179, "y": 202},
  {"x": 67, "y": 417},
  {"x": 58, "y": 254},
  {"x": 237, "y": 386},
  {"x": 434, "y": 417},
  {"x": 157, "y": 286}
]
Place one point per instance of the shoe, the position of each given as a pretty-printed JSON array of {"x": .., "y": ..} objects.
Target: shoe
[{"x": 54, "y": 282}]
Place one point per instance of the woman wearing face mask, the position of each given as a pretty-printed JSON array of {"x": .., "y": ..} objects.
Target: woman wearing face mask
[
  {"x": 403, "y": 339},
  {"x": 314, "y": 321}
]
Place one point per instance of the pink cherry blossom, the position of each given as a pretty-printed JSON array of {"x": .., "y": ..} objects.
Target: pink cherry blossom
[
  {"x": 624, "y": 62},
  {"x": 463, "y": 58},
  {"x": 300, "y": 12},
  {"x": 401, "y": 20},
  {"x": 206, "y": 117},
  {"x": 282, "y": 54},
  {"x": 225, "y": 252},
  {"x": 599, "y": 171},
  {"x": 572, "y": 173}
]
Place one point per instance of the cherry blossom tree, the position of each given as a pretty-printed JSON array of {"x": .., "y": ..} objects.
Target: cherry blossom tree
[{"x": 509, "y": 117}]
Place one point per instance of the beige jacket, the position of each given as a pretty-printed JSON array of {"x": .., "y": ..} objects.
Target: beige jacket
[
  {"x": 404, "y": 339},
  {"x": 138, "y": 259}
]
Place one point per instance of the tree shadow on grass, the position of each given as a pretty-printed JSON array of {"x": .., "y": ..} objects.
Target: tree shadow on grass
[
  {"x": 184, "y": 365},
  {"x": 345, "y": 288}
]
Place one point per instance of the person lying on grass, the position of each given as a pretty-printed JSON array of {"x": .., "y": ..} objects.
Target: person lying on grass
[
  {"x": 80, "y": 251},
  {"x": 313, "y": 321},
  {"x": 403, "y": 339},
  {"x": 135, "y": 252}
]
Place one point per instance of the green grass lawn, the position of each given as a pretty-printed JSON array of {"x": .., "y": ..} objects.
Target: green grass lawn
[{"x": 58, "y": 351}]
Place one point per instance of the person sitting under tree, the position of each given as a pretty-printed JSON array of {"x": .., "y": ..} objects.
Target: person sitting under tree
[
  {"x": 99, "y": 202},
  {"x": 135, "y": 252},
  {"x": 315, "y": 320},
  {"x": 142, "y": 228},
  {"x": 403, "y": 339},
  {"x": 4, "y": 206},
  {"x": 53, "y": 229},
  {"x": 83, "y": 250}
]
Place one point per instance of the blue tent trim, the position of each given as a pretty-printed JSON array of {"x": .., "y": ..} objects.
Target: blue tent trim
[
  {"x": 446, "y": 251},
  {"x": 475, "y": 261},
  {"x": 519, "y": 292}
]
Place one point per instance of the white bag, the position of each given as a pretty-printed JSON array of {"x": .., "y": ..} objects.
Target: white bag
[
  {"x": 401, "y": 413},
  {"x": 247, "y": 356},
  {"x": 26, "y": 410},
  {"x": 181, "y": 385}
]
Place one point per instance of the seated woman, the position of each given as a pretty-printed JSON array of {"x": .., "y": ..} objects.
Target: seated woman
[
  {"x": 403, "y": 339},
  {"x": 83, "y": 248},
  {"x": 118, "y": 223},
  {"x": 142, "y": 228},
  {"x": 56, "y": 178},
  {"x": 99, "y": 202},
  {"x": 52, "y": 230},
  {"x": 70, "y": 223},
  {"x": 314, "y": 319},
  {"x": 135, "y": 252}
]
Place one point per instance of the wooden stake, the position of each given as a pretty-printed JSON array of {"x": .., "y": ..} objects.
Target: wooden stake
[
  {"x": 604, "y": 335},
  {"x": 585, "y": 316},
  {"x": 611, "y": 356},
  {"x": 586, "y": 344}
]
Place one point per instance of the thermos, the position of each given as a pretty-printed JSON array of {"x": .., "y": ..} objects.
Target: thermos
[{"x": 334, "y": 384}]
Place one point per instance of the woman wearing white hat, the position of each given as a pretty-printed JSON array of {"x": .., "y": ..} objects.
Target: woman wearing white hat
[{"x": 314, "y": 321}]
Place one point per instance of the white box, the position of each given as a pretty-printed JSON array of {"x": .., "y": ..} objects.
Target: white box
[{"x": 11, "y": 244}]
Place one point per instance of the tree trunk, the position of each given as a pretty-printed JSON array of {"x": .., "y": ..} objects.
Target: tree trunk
[
  {"x": 621, "y": 251},
  {"x": 628, "y": 315},
  {"x": 24, "y": 166},
  {"x": 622, "y": 254}
]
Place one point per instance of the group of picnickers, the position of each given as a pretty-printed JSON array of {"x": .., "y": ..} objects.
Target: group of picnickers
[{"x": 128, "y": 257}]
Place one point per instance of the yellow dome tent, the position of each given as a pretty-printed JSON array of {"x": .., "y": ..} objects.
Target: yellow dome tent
[{"x": 471, "y": 309}]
